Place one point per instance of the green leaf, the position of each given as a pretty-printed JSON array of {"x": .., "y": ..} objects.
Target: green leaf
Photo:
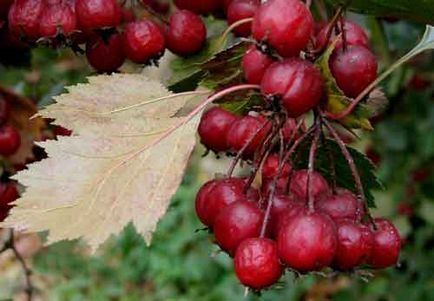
[{"x": 416, "y": 10}]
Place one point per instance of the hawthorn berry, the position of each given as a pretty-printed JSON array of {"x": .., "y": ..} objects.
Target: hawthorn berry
[
  {"x": 288, "y": 130},
  {"x": 308, "y": 242},
  {"x": 199, "y": 6},
  {"x": 186, "y": 33},
  {"x": 237, "y": 222},
  {"x": 257, "y": 264},
  {"x": 281, "y": 185},
  {"x": 57, "y": 19},
  {"x": 201, "y": 203},
  {"x": 299, "y": 185},
  {"x": 24, "y": 18},
  {"x": 285, "y": 25},
  {"x": 239, "y": 10},
  {"x": 270, "y": 168},
  {"x": 286, "y": 215},
  {"x": 354, "y": 35},
  {"x": 296, "y": 83},
  {"x": 254, "y": 65},
  {"x": 281, "y": 205},
  {"x": 4, "y": 110},
  {"x": 143, "y": 41},
  {"x": 354, "y": 68},
  {"x": 97, "y": 14},
  {"x": 343, "y": 205},
  {"x": 8, "y": 193},
  {"x": 10, "y": 140},
  {"x": 105, "y": 56},
  {"x": 386, "y": 245},
  {"x": 213, "y": 128}
]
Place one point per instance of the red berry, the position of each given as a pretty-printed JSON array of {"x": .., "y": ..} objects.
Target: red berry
[
  {"x": 24, "y": 18},
  {"x": 353, "y": 68},
  {"x": 213, "y": 128},
  {"x": 282, "y": 204},
  {"x": 343, "y": 205},
  {"x": 354, "y": 35},
  {"x": 254, "y": 65},
  {"x": 57, "y": 19},
  {"x": 239, "y": 10},
  {"x": 143, "y": 41},
  {"x": 243, "y": 130},
  {"x": 10, "y": 140},
  {"x": 186, "y": 34},
  {"x": 97, "y": 14},
  {"x": 281, "y": 185},
  {"x": 386, "y": 246},
  {"x": 308, "y": 242},
  {"x": 237, "y": 222},
  {"x": 354, "y": 245},
  {"x": 296, "y": 82},
  {"x": 286, "y": 216},
  {"x": 257, "y": 263},
  {"x": 5, "y": 109},
  {"x": 201, "y": 203},
  {"x": 106, "y": 56},
  {"x": 285, "y": 25},
  {"x": 270, "y": 168},
  {"x": 199, "y": 6},
  {"x": 299, "y": 187}
]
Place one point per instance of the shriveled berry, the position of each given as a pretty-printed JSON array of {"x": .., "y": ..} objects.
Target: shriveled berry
[
  {"x": 254, "y": 65},
  {"x": 299, "y": 185},
  {"x": 10, "y": 140},
  {"x": 355, "y": 243},
  {"x": 24, "y": 18},
  {"x": 257, "y": 264},
  {"x": 285, "y": 25},
  {"x": 343, "y": 205},
  {"x": 270, "y": 168},
  {"x": 97, "y": 14},
  {"x": 297, "y": 83},
  {"x": 57, "y": 19},
  {"x": 186, "y": 34},
  {"x": 354, "y": 35},
  {"x": 199, "y": 6},
  {"x": 4, "y": 110},
  {"x": 213, "y": 128},
  {"x": 386, "y": 246},
  {"x": 106, "y": 56},
  {"x": 239, "y": 10},
  {"x": 237, "y": 222},
  {"x": 143, "y": 41},
  {"x": 353, "y": 68},
  {"x": 308, "y": 242}
]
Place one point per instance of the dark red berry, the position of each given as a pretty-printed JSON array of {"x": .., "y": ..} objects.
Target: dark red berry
[
  {"x": 143, "y": 41},
  {"x": 282, "y": 204},
  {"x": 308, "y": 242},
  {"x": 106, "y": 56},
  {"x": 226, "y": 4},
  {"x": 353, "y": 68},
  {"x": 97, "y": 14},
  {"x": 213, "y": 128},
  {"x": 201, "y": 203},
  {"x": 10, "y": 140},
  {"x": 285, "y": 25},
  {"x": 245, "y": 129},
  {"x": 24, "y": 18},
  {"x": 254, "y": 65},
  {"x": 354, "y": 244},
  {"x": 199, "y": 6},
  {"x": 186, "y": 34},
  {"x": 57, "y": 19},
  {"x": 354, "y": 35},
  {"x": 239, "y": 10},
  {"x": 5, "y": 109},
  {"x": 270, "y": 168},
  {"x": 237, "y": 222},
  {"x": 257, "y": 263},
  {"x": 343, "y": 205},
  {"x": 286, "y": 216},
  {"x": 386, "y": 246},
  {"x": 299, "y": 185},
  {"x": 296, "y": 82}
]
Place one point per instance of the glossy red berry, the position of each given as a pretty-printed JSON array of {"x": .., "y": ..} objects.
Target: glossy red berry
[
  {"x": 270, "y": 168},
  {"x": 24, "y": 18},
  {"x": 10, "y": 140},
  {"x": 343, "y": 205},
  {"x": 299, "y": 185},
  {"x": 186, "y": 34},
  {"x": 201, "y": 203},
  {"x": 282, "y": 204},
  {"x": 386, "y": 245},
  {"x": 308, "y": 242},
  {"x": 4, "y": 110},
  {"x": 297, "y": 83},
  {"x": 245, "y": 129},
  {"x": 239, "y": 10},
  {"x": 257, "y": 264},
  {"x": 237, "y": 222},
  {"x": 213, "y": 128},
  {"x": 106, "y": 56},
  {"x": 353, "y": 68},
  {"x": 285, "y": 25},
  {"x": 97, "y": 14},
  {"x": 355, "y": 243},
  {"x": 57, "y": 19},
  {"x": 199, "y": 6},
  {"x": 354, "y": 35},
  {"x": 286, "y": 216},
  {"x": 254, "y": 65},
  {"x": 143, "y": 41}
]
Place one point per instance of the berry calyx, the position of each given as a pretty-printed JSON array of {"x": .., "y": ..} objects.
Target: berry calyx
[
  {"x": 354, "y": 35},
  {"x": 239, "y": 10},
  {"x": 257, "y": 264},
  {"x": 10, "y": 140},
  {"x": 106, "y": 56},
  {"x": 299, "y": 185},
  {"x": 254, "y": 65},
  {"x": 343, "y": 205},
  {"x": 296, "y": 83},
  {"x": 285, "y": 25},
  {"x": 97, "y": 14},
  {"x": 386, "y": 245}
]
